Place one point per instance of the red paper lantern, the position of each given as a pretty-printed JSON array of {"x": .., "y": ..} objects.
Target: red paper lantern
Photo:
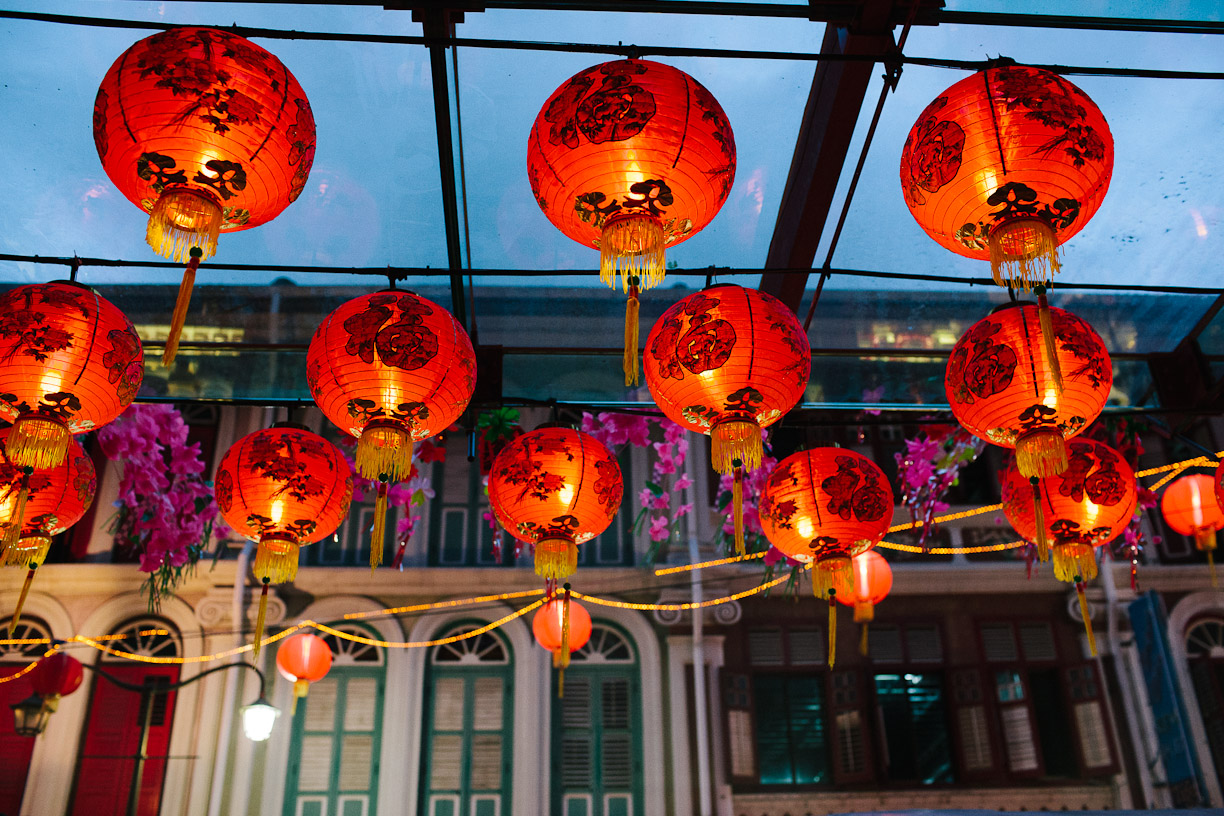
[
  {"x": 871, "y": 584},
  {"x": 1189, "y": 506},
  {"x": 282, "y": 487},
  {"x": 72, "y": 363},
  {"x": 303, "y": 659},
  {"x": 728, "y": 361},
  {"x": 629, "y": 157},
  {"x": 1006, "y": 165},
  {"x": 555, "y": 488},
  {"x": 549, "y": 623},
  {"x": 1087, "y": 505},
  {"x": 56, "y": 675},
  {"x": 1003, "y": 389}
]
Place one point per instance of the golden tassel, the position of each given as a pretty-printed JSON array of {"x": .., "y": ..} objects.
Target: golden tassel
[
  {"x": 564, "y": 651},
  {"x": 384, "y": 451},
  {"x": 183, "y": 220},
  {"x": 1041, "y": 453},
  {"x": 737, "y": 508},
  {"x": 832, "y": 574},
  {"x": 276, "y": 560},
  {"x": 1083, "y": 603},
  {"x": 1043, "y": 541},
  {"x": 1047, "y": 334},
  {"x": 1072, "y": 560},
  {"x": 1211, "y": 568},
  {"x": 556, "y": 558},
  {"x": 21, "y": 599},
  {"x": 863, "y": 640},
  {"x": 259, "y": 621},
  {"x": 832, "y": 627},
  {"x": 630, "y": 362},
  {"x": 864, "y": 611},
  {"x": 733, "y": 439},
  {"x": 1024, "y": 253},
  {"x": 12, "y": 535},
  {"x": 1205, "y": 540},
  {"x": 379, "y": 531},
  {"x": 632, "y": 245},
  {"x": 29, "y": 551},
  {"x": 300, "y": 690},
  {"x": 180, "y": 307},
  {"x": 38, "y": 441}
]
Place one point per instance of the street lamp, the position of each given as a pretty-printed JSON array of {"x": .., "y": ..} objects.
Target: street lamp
[
  {"x": 30, "y": 716},
  {"x": 258, "y": 719}
]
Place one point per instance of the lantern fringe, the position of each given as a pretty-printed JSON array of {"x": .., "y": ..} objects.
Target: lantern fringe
[
  {"x": 12, "y": 535},
  {"x": 632, "y": 245},
  {"x": 38, "y": 441},
  {"x": 180, "y": 308},
  {"x": 1205, "y": 540},
  {"x": 737, "y": 506},
  {"x": 864, "y": 611},
  {"x": 1083, "y": 604},
  {"x": 734, "y": 439},
  {"x": 384, "y": 452},
  {"x": 300, "y": 690},
  {"x": 29, "y": 551},
  {"x": 630, "y": 362},
  {"x": 183, "y": 219},
  {"x": 1071, "y": 560},
  {"x": 1043, "y": 540},
  {"x": 1041, "y": 453},
  {"x": 832, "y": 627},
  {"x": 1023, "y": 253},
  {"x": 21, "y": 599},
  {"x": 276, "y": 560},
  {"x": 260, "y": 619},
  {"x": 563, "y": 652},
  {"x": 556, "y": 558},
  {"x": 863, "y": 646},
  {"x": 1048, "y": 336},
  {"x": 379, "y": 531},
  {"x": 832, "y": 574},
  {"x": 1211, "y": 568}
]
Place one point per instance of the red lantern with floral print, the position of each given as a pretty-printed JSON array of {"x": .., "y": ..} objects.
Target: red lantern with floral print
[
  {"x": 282, "y": 487},
  {"x": 36, "y": 505},
  {"x": 303, "y": 659},
  {"x": 1086, "y": 506},
  {"x": 629, "y": 157},
  {"x": 562, "y": 626},
  {"x": 1003, "y": 385},
  {"x": 73, "y": 363},
  {"x": 727, "y": 362},
  {"x": 1189, "y": 506},
  {"x": 1005, "y": 166},
  {"x": 555, "y": 488},
  {"x": 390, "y": 368},
  {"x": 824, "y": 507},
  {"x": 207, "y": 132}
]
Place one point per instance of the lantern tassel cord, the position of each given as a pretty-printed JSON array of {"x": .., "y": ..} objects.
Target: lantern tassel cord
[
  {"x": 564, "y": 651},
  {"x": 1211, "y": 568},
  {"x": 8, "y": 547},
  {"x": 737, "y": 505},
  {"x": 630, "y": 363},
  {"x": 379, "y": 531},
  {"x": 180, "y": 308},
  {"x": 1047, "y": 334},
  {"x": 1083, "y": 604},
  {"x": 21, "y": 599},
  {"x": 1043, "y": 542},
  {"x": 832, "y": 627},
  {"x": 260, "y": 619},
  {"x": 863, "y": 639}
]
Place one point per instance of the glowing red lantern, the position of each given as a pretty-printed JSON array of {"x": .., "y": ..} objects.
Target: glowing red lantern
[
  {"x": 1006, "y": 165},
  {"x": 1003, "y": 389},
  {"x": 36, "y": 505},
  {"x": 390, "y": 368},
  {"x": 72, "y": 363},
  {"x": 562, "y": 626},
  {"x": 1189, "y": 506},
  {"x": 871, "y": 584},
  {"x": 56, "y": 675},
  {"x": 824, "y": 507},
  {"x": 629, "y": 157},
  {"x": 555, "y": 488},
  {"x": 1086, "y": 506},
  {"x": 727, "y": 362},
  {"x": 207, "y": 132},
  {"x": 282, "y": 487},
  {"x": 303, "y": 659}
]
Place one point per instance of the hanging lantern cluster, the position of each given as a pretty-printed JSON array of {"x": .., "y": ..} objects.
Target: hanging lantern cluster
[
  {"x": 207, "y": 132},
  {"x": 1189, "y": 506},
  {"x": 283, "y": 487},
  {"x": 555, "y": 488},
  {"x": 629, "y": 157},
  {"x": 824, "y": 507},
  {"x": 562, "y": 626},
  {"x": 1005, "y": 166},
  {"x": 303, "y": 659},
  {"x": 390, "y": 368},
  {"x": 727, "y": 362}
]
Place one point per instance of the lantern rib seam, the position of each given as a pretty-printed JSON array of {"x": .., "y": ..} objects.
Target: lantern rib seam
[{"x": 994, "y": 119}]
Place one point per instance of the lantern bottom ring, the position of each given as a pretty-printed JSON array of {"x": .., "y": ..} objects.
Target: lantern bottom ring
[
  {"x": 39, "y": 441},
  {"x": 1041, "y": 453},
  {"x": 276, "y": 558},
  {"x": 30, "y": 551},
  {"x": 556, "y": 557},
  {"x": 1072, "y": 559},
  {"x": 1023, "y": 253},
  {"x": 384, "y": 451},
  {"x": 832, "y": 571},
  {"x": 182, "y": 218},
  {"x": 632, "y": 244},
  {"x": 736, "y": 437}
]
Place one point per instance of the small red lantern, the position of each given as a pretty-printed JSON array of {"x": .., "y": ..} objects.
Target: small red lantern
[
  {"x": 72, "y": 363},
  {"x": 1189, "y": 506},
  {"x": 390, "y": 368},
  {"x": 727, "y": 362},
  {"x": 56, "y": 675},
  {"x": 303, "y": 659},
  {"x": 283, "y": 487},
  {"x": 872, "y": 582},
  {"x": 1086, "y": 506},
  {"x": 1003, "y": 388},
  {"x": 205, "y": 131},
  {"x": 1006, "y": 165},
  {"x": 562, "y": 626},
  {"x": 555, "y": 488},
  {"x": 824, "y": 507},
  {"x": 36, "y": 505},
  {"x": 629, "y": 157}
]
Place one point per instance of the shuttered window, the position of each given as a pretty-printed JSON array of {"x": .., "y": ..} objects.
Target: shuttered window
[
  {"x": 790, "y": 729},
  {"x": 911, "y": 709}
]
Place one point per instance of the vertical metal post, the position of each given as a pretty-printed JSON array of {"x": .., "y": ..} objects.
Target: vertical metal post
[
  {"x": 146, "y": 719},
  {"x": 701, "y": 712}
]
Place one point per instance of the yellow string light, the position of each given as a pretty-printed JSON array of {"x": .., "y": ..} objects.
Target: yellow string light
[
  {"x": 24, "y": 671},
  {"x": 718, "y": 562},
  {"x": 682, "y": 607},
  {"x": 984, "y": 548},
  {"x": 427, "y": 607},
  {"x": 976, "y": 511}
]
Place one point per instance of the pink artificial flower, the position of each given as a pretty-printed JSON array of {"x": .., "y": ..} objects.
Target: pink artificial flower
[
  {"x": 682, "y": 482},
  {"x": 659, "y": 529},
  {"x": 683, "y": 510}
]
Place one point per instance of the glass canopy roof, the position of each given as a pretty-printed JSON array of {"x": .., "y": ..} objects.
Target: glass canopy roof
[{"x": 374, "y": 198}]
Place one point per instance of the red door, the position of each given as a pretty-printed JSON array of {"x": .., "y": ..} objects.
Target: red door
[
  {"x": 15, "y": 751},
  {"x": 112, "y": 740}
]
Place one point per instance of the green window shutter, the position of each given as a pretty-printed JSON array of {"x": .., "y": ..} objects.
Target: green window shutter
[
  {"x": 597, "y": 743},
  {"x": 468, "y": 757}
]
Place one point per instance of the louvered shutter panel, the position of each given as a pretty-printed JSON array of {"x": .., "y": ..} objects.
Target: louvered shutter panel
[
  {"x": 765, "y": 647},
  {"x": 977, "y": 756},
  {"x": 807, "y": 647},
  {"x": 446, "y": 749},
  {"x": 1037, "y": 640},
  {"x": 741, "y": 733},
  {"x": 847, "y": 707},
  {"x": 1016, "y": 721},
  {"x": 1094, "y": 736},
  {"x": 15, "y": 751},
  {"x": 999, "y": 643},
  {"x": 884, "y": 643},
  {"x": 923, "y": 644},
  {"x": 577, "y": 750}
]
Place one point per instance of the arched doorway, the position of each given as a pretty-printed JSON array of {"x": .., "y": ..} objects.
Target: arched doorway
[
  {"x": 15, "y": 751},
  {"x": 1205, "y": 655}
]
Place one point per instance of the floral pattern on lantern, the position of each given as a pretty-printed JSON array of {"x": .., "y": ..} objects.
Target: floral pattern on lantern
[
  {"x": 206, "y": 131},
  {"x": 555, "y": 488},
  {"x": 1002, "y": 388},
  {"x": 72, "y": 362},
  {"x": 1005, "y": 166}
]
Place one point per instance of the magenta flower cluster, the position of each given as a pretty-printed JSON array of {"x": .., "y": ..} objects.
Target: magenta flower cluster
[{"x": 930, "y": 466}]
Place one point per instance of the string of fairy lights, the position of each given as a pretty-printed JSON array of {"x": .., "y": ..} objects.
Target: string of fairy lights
[{"x": 539, "y": 597}]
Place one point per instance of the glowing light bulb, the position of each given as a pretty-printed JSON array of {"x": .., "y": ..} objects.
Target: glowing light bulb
[
  {"x": 806, "y": 530},
  {"x": 861, "y": 589},
  {"x": 566, "y": 494},
  {"x": 987, "y": 181},
  {"x": 1091, "y": 511},
  {"x": 1051, "y": 399},
  {"x": 1196, "y": 503},
  {"x": 51, "y": 382},
  {"x": 278, "y": 510}
]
